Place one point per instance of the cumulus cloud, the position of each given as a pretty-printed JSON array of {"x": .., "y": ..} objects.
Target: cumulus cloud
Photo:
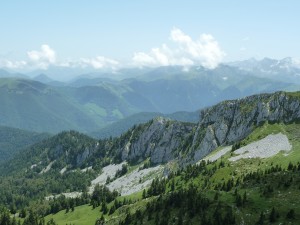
[
  {"x": 47, "y": 56},
  {"x": 43, "y": 58},
  {"x": 204, "y": 51}
]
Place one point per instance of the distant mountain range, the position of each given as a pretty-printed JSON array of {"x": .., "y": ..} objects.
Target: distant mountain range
[
  {"x": 94, "y": 101},
  {"x": 117, "y": 128},
  {"x": 286, "y": 70}
]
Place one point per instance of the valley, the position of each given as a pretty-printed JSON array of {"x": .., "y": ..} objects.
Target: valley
[
  {"x": 93, "y": 105},
  {"x": 149, "y": 112},
  {"x": 240, "y": 159}
]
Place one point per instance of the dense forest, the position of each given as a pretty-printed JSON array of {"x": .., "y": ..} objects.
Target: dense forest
[{"x": 188, "y": 196}]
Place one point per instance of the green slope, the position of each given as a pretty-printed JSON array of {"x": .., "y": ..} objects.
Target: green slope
[
  {"x": 34, "y": 106},
  {"x": 13, "y": 140},
  {"x": 220, "y": 188},
  {"x": 92, "y": 104}
]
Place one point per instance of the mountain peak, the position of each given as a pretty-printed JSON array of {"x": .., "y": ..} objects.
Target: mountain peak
[{"x": 43, "y": 78}]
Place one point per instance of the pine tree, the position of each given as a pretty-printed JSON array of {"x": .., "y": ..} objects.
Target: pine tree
[
  {"x": 144, "y": 194},
  {"x": 244, "y": 198},
  {"x": 5, "y": 218},
  {"x": 291, "y": 214},
  {"x": 23, "y": 213},
  {"x": 272, "y": 217},
  {"x": 261, "y": 219},
  {"x": 216, "y": 196},
  {"x": 104, "y": 207}
]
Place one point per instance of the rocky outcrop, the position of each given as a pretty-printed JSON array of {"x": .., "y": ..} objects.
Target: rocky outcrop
[
  {"x": 159, "y": 140},
  {"x": 164, "y": 140},
  {"x": 230, "y": 121}
]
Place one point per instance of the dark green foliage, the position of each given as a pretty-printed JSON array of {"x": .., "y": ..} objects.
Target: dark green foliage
[
  {"x": 122, "y": 172},
  {"x": 179, "y": 201},
  {"x": 100, "y": 221},
  {"x": 188, "y": 203},
  {"x": 5, "y": 217},
  {"x": 291, "y": 214},
  {"x": 273, "y": 215},
  {"x": 33, "y": 219},
  {"x": 61, "y": 203},
  {"x": 235, "y": 146},
  {"x": 27, "y": 184},
  {"x": 157, "y": 187},
  {"x": 102, "y": 195},
  {"x": 13, "y": 140},
  {"x": 261, "y": 219}
]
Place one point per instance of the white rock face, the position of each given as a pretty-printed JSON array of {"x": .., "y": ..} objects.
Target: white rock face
[
  {"x": 63, "y": 170},
  {"x": 45, "y": 170},
  {"x": 264, "y": 148},
  {"x": 108, "y": 171},
  {"x": 163, "y": 140},
  {"x": 231, "y": 121},
  {"x": 157, "y": 141},
  {"x": 216, "y": 155},
  {"x": 74, "y": 194},
  {"x": 87, "y": 169},
  {"x": 130, "y": 183}
]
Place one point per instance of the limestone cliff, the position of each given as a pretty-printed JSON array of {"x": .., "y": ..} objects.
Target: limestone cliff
[
  {"x": 225, "y": 123},
  {"x": 230, "y": 121},
  {"x": 160, "y": 140}
]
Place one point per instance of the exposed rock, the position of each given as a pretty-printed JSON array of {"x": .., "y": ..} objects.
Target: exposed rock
[
  {"x": 45, "y": 170},
  {"x": 108, "y": 171},
  {"x": 216, "y": 155},
  {"x": 264, "y": 148},
  {"x": 231, "y": 121},
  {"x": 164, "y": 140},
  {"x": 135, "y": 181},
  {"x": 158, "y": 140},
  {"x": 63, "y": 170},
  {"x": 83, "y": 156}
]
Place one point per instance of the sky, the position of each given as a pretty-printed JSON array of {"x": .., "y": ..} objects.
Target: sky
[{"x": 113, "y": 34}]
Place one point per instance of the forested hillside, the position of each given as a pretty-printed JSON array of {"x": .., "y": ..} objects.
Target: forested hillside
[
  {"x": 13, "y": 140},
  {"x": 241, "y": 159}
]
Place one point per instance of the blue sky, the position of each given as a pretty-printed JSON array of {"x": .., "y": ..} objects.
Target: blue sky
[{"x": 116, "y": 33}]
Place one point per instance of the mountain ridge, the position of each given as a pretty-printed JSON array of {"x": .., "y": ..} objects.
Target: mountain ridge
[
  {"x": 163, "y": 140},
  {"x": 90, "y": 104},
  {"x": 70, "y": 163}
]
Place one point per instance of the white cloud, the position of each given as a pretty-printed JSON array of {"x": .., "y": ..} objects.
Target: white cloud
[
  {"x": 246, "y": 39},
  {"x": 141, "y": 58},
  {"x": 13, "y": 64},
  {"x": 296, "y": 62},
  {"x": 99, "y": 62},
  {"x": 205, "y": 51},
  {"x": 47, "y": 56},
  {"x": 36, "y": 60},
  {"x": 43, "y": 58},
  {"x": 185, "y": 51}
]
